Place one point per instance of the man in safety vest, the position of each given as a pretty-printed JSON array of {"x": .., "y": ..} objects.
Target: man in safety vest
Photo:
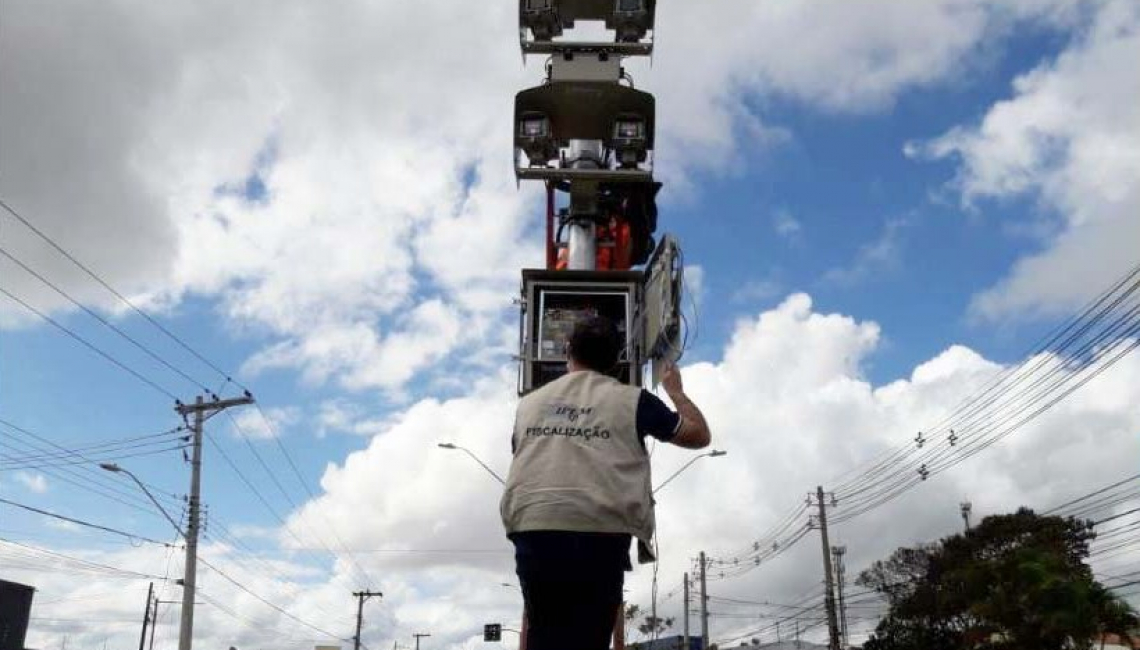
[{"x": 579, "y": 488}]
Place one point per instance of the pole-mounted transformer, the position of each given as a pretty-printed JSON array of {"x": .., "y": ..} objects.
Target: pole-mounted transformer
[{"x": 590, "y": 138}]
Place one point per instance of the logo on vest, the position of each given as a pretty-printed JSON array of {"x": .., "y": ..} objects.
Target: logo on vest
[{"x": 570, "y": 414}]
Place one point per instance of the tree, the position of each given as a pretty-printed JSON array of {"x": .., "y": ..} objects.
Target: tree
[
  {"x": 631, "y": 614},
  {"x": 654, "y": 626},
  {"x": 1015, "y": 582}
]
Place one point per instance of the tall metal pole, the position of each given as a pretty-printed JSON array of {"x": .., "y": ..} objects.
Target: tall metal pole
[
  {"x": 967, "y": 507},
  {"x": 154, "y": 624},
  {"x": 362, "y": 596},
  {"x": 146, "y": 616},
  {"x": 704, "y": 606},
  {"x": 686, "y": 611},
  {"x": 359, "y": 619},
  {"x": 829, "y": 594},
  {"x": 189, "y": 580},
  {"x": 840, "y": 573},
  {"x": 418, "y": 637}
]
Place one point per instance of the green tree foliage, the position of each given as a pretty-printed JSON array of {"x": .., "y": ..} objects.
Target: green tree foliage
[
  {"x": 1015, "y": 582},
  {"x": 654, "y": 626}
]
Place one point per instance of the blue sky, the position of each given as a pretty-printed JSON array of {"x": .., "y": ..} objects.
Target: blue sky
[{"x": 349, "y": 252}]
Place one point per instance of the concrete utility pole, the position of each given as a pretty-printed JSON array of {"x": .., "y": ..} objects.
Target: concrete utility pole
[
  {"x": 840, "y": 572},
  {"x": 201, "y": 410},
  {"x": 686, "y": 611},
  {"x": 967, "y": 508},
  {"x": 829, "y": 593},
  {"x": 146, "y": 616},
  {"x": 704, "y": 605},
  {"x": 418, "y": 637},
  {"x": 362, "y": 596}
]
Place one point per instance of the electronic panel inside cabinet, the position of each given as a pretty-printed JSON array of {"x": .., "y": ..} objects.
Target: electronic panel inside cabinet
[{"x": 554, "y": 301}]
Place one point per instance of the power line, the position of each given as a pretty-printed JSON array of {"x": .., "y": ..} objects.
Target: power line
[
  {"x": 80, "y": 522},
  {"x": 268, "y": 603},
  {"x": 126, "y": 301},
  {"x": 100, "y": 483},
  {"x": 92, "y": 313},
  {"x": 361, "y": 573},
  {"x": 304, "y": 484},
  {"x": 90, "y": 346},
  {"x": 81, "y": 564}
]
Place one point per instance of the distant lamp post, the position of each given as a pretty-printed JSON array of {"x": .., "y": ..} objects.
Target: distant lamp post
[
  {"x": 711, "y": 454},
  {"x": 448, "y": 445},
  {"x": 112, "y": 467}
]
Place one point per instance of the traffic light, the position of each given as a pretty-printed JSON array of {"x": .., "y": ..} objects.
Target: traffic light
[{"x": 492, "y": 632}]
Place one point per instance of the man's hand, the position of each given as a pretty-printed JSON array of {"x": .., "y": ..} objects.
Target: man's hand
[
  {"x": 694, "y": 431},
  {"x": 671, "y": 381}
]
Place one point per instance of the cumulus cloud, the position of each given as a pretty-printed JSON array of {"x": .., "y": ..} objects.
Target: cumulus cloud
[
  {"x": 881, "y": 255},
  {"x": 265, "y": 425},
  {"x": 338, "y": 187},
  {"x": 1069, "y": 139},
  {"x": 32, "y": 481},
  {"x": 787, "y": 400}
]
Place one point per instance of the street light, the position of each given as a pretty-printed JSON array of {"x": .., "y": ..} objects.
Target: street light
[
  {"x": 711, "y": 454},
  {"x": 448, "y": 445},
  {"x": 112, "y": 467}
]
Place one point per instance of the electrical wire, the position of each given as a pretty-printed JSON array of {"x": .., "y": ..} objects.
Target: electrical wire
[
  {"x": 54, "y": 323},
  {"x": 80, "y": 522},
  {"x": 126, "y": 301},
  {"x": 93, "y": 314},
  {"x": 270, "y": 604}
]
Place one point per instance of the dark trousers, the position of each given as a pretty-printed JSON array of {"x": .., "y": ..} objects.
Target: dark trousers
[{"x": 572, "y": 586}]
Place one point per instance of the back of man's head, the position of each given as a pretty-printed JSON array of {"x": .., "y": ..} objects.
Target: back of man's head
[{"x": 595, "y": 344}]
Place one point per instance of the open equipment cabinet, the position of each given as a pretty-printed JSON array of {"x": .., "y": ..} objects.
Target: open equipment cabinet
[{"x": 644, "y": 305}]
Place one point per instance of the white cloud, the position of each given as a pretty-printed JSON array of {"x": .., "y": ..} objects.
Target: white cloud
[
  {"x": 788, "y": 401},
  {"x": 756, "y": 290},
  {"x": 786, "y": 225},
  {"x": 1068, "y": 138},
  {"x": 879, "y": 256},
  {"x": 252, "y": 424},
  {"x": 387, "y": 201},
  {"x": 32, "y": 481}
]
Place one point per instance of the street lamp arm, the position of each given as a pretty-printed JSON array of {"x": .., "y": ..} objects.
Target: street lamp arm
[
  {"x": 448, "y": 445},
  {"x": 712, "y": 454},
  {"x": 110, "y": 467},
  {"x": 484, "y": 465}
]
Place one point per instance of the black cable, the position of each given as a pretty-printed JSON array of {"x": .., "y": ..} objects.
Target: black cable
[
  {"x": 994, "y": 392},
  {"x": 280, "y": 488},
  {"x": 80, "y": 522},
  {"x": 90, "y": 346},
  {"x": 270, "y": 604},
  {"x": 92, "y": 313},
  {"x": 118, "y": 295},
  {"x": 974, "y": 448},
  {"x": 14, "y": 463},
  {"x": 105, "y": 481},
  {"x": 304, "y": 484},
  {"x": 83, "y": 564}
]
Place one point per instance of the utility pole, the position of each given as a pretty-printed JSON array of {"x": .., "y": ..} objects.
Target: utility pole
[
  {"x": 967, "y": 508},
  {"x": 201, "y": 410},
  {"x": 418, "y": 637},
  {"x": 686, "y": 611},
  {"x": 829, "y": 593},
  {"x": 840, "y": 571},
  {"x": 154, "y": 623},
  {"x": 704, "y": 606},
  {"x": 362, "y": 596},
  {"x": 146, "y": 616},
  {"x": 797, "y": 633}
]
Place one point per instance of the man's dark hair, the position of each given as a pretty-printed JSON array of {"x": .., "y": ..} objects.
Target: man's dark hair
[{"x": 596, "y": 344}]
